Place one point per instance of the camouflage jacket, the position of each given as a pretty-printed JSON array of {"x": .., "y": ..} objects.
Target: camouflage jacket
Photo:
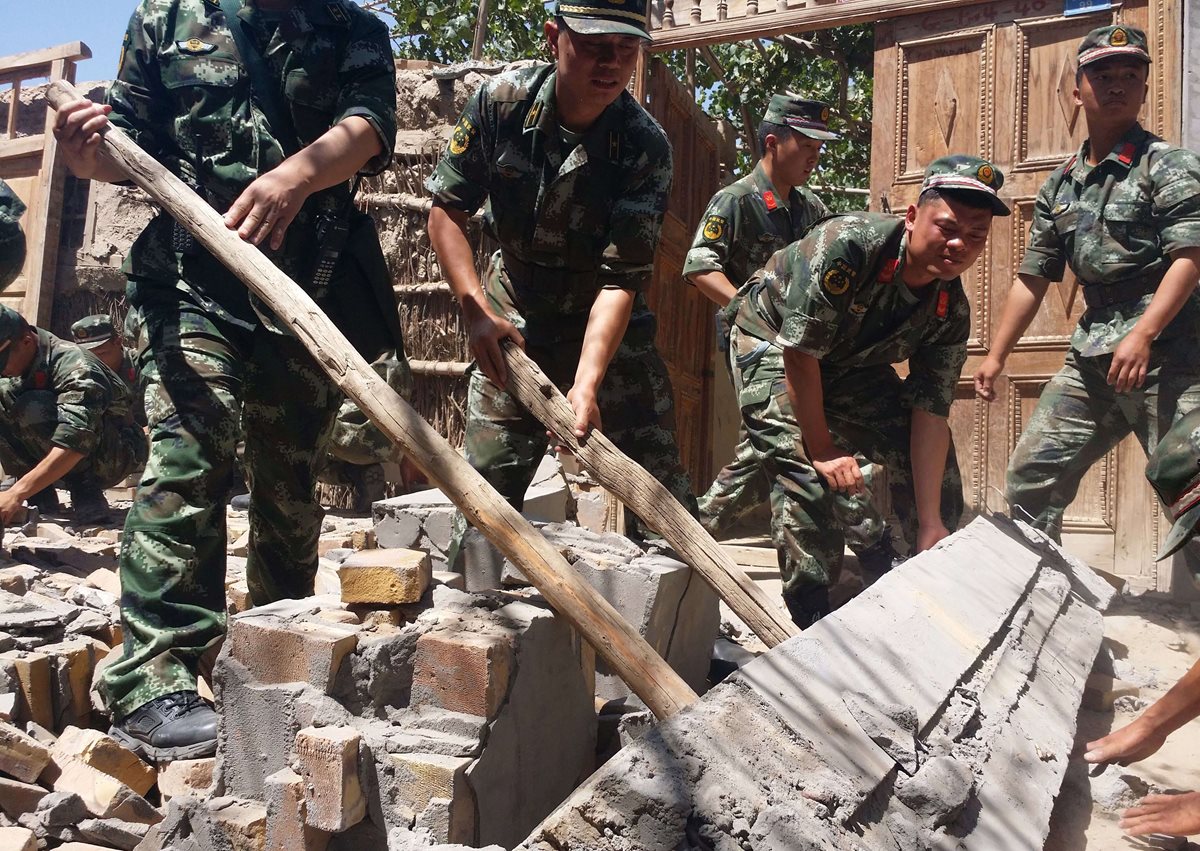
[
  {"x": 12, "y": 239},
  {"x": 1115, "y": 223},
  {"x": 183, "y": 94},
  {"x": 571, "y": 219},
  {"x": 128, "y": 373},
  {"x": 87, "y": 391},
  {"x": 837, "y": 295},
  {"x": 745, "y": 223}
]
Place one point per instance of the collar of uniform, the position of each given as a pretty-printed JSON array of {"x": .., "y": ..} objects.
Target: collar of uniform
[
  {"x": 1121, "y": 155},
  {"x": 763, "y": 184},
  {"x": 906, "y": 292},
  {"x": 541, "y": 114},
  {"x": 41, "y": 360}
]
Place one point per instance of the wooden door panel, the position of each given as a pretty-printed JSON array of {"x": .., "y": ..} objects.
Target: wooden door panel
[
  {"x": 1063, "y": 305},
  {"x": 939, "y": 82}
]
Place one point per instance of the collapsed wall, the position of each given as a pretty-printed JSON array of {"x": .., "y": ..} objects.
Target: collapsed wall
[{"x": 936, "y": 710}]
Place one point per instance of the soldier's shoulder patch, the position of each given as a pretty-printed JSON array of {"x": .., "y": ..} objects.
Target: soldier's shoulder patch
[
  {"x": 837, "y": 277},
  {"x": 714, "y": 227},
  {"x": 195, "y": 47},
  {"x": 460, "y": 139}
]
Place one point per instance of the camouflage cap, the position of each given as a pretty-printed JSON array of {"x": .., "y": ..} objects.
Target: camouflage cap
[
  {"x": 1174, "y": 472},
  {"x": 810, "y": 117},
  {"x": 966, "y": 173},
  {"x": 604, "y": 17},
  {"x": 1108, "y": 42},
  {"x": 92, "y": 331}
]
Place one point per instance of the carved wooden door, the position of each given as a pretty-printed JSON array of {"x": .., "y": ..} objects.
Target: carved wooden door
[
  {"x": 996, "y": 80},
  {"x": 685, "y": 317}
]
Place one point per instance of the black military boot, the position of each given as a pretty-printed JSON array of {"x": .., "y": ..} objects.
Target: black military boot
[
  {"x": 808, "y": 605},
  {"x": 181, "y": 725},
  {"x": 89, "y": 505},
  {"x": 878, "y": 559}
]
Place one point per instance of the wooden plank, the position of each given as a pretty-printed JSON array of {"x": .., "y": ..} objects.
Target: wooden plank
[
  {"x": 71, "y": 51},
  {"x": 618, "y": 643},
  {"x": 819, "y": 17},
  {"x": 21, "y": 147},
  {"x": 752, "y": 556},
  {"x": 649, "y": 499}
]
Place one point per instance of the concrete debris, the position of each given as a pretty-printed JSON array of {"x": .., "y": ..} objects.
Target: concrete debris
[{"x": 975, "y": 675}]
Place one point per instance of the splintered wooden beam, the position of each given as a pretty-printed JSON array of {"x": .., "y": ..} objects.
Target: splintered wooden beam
[
  {"x": 618, "y": 643},
  {"x": 649, "y": 499}
]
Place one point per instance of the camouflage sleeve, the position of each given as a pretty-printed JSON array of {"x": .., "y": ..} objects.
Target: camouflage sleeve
[
  {"x": 635, "y": 223},
  {"x": 1176, "y": 196},
  {"x": 936, "y": 365},
  {"x": 12, "y": 239},
  {"x": 140, "y": 102},
  {"x": 714, "y": 237},
  {"x": 367, "y": 85},
  {"x": 1044, "y": 254},
  {"x": 462, "y": 178},
  {"x": 84, "y": 394},
  {"x": 814, "y": 210},
  {"x": 825, "y": 270}
]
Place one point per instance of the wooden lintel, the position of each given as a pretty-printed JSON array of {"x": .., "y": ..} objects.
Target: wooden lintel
[
  {"x": 72, "y": 51},
  {"x": 818, "y": 17}
]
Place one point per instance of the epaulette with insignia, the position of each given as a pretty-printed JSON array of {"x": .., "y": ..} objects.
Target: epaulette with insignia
[
  {"x": 943, "y": 304},
  {"x": 535, "y": 112},
  {"x": 614, "y": 145}
]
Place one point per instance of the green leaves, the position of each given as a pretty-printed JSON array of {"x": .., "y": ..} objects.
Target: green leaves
[{"x": 444, "y": 32}]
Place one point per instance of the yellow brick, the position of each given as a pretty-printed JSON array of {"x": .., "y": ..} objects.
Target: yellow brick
[
  {"x": 105, "y": 754},
  {"x": 389, "y": 577},
  {"x": 21, "y": 756},
  {"x": 33, "y": 670}
]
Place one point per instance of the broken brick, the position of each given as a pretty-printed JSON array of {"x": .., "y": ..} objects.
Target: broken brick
[
  {"x": 105, "y": 754},
  {"x": 423, "y": 778},
  {"x": 278, "y": 652},
  {"x": 287, "y": 827},
  {"x": 21, "y": 756},
  {"x": 33, "y": 672},
  {"x": 186, "y": 777},
  {"x": 328, "y": 762},
  {"x": 462, "y": 671}
]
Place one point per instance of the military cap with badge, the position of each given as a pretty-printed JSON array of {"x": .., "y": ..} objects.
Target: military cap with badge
[
  {"x": 966, "y": 173},
  {"x": 604, "y": 17},
  {"x": 809, "y": 117},
  {"x": 93, "y": 331},
  {"x": 1119, "y": 40}
]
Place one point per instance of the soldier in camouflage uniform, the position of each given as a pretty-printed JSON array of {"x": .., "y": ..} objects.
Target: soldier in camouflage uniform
[
  {"x": 96, "y": 334},
  {"x": 214, "y": 357},
  {"x": 856, "y": 294},
  {"x": 63, "y": 415},
  {"x": 357, "y": 449},
  {"x": 576, "y": 176},
  {"x": 1124, "y": 214},
  {"x": 12, "y": 238},
  {"x": 745, "y": 223}
]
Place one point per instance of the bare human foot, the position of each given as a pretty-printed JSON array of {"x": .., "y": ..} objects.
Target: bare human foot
[
  {"x": 1132, "y": 743},
  {"x": 1173, "y": 815}
]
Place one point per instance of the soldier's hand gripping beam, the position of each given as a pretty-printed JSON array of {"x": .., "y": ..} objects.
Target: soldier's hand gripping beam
[
  {"x": 649, "y": 499},
  {"x": 619, "y": 644}
]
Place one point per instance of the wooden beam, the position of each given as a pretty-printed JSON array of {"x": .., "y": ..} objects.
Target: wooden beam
[
  {"x": 649, "y": 499},
  {"x": 618, "y": 643},
  {"x": 23, "y": 146},
  {"x": 819, "y": 17},
  {"x": 72, "y": 51}
]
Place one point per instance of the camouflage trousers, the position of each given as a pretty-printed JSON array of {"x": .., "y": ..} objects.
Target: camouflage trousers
[
  {"x": 206, "y": 383},
  {"x": 1080, "y": 418},
  {"x": 505, "y": 442},
  {"x": 810, "y": 523},
  {"x": 27, "y": 424},
  {"x": 740, "y": 486}
]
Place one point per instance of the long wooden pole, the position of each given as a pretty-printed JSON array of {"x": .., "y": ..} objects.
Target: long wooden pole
[
  {"x": 619, "y": 644},
  {"x": 649, "y": 500}
]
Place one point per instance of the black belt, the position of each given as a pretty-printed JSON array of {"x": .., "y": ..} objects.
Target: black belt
[{"x": 1106, "y": 295}]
